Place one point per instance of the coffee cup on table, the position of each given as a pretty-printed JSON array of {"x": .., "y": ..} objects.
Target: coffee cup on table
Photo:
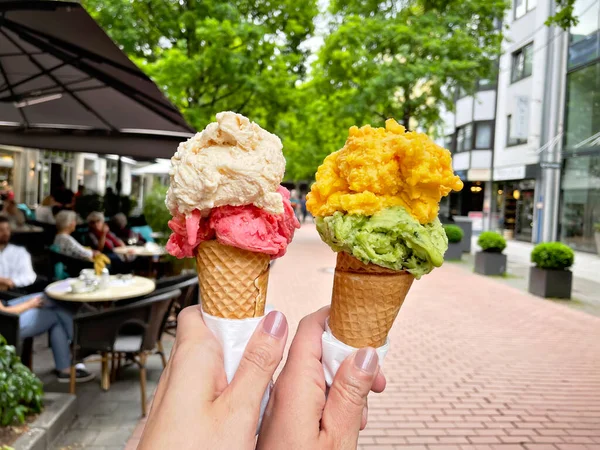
[{"x": 78, "y": 286}]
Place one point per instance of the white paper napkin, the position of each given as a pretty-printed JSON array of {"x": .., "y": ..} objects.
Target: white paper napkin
[
  {"x": 335, "y": 352},
  {"x": 234, "y": 334}
]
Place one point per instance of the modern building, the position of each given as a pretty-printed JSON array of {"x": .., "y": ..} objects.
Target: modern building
[
  {"x": 528, "y": 145},
  {"x": 580, "y": 184}
]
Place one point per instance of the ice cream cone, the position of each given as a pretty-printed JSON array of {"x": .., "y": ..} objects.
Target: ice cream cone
[
  {"x": 365, "y": 302},
  {"x": 233, "y": 282}
]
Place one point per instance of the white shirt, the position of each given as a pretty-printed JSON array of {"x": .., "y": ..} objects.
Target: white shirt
[
  {"x": 44, "y": 214},
  {"x": 15, "y": 263}
]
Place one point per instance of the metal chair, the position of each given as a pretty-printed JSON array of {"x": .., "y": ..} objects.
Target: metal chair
[
  {"x": 134, "y": 329},
  {"x": 188, "y": 285}
]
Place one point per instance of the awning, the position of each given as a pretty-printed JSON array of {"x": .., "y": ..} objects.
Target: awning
[
  {"x": 64, "y": 85},
  {"x": 159, "y": 168}
]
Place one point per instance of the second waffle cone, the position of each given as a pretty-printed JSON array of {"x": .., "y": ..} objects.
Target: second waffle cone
[
  {"x": 365, "y": 302},
  {"x": 233, "y": 282}
]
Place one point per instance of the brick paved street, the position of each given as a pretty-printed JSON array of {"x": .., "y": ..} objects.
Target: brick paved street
[{"x": 475, "y": 364}]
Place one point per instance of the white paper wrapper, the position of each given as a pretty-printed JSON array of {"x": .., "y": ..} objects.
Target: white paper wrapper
[
  {"x": 234, "y": 334},
  {"x": 335, "y": 352}
]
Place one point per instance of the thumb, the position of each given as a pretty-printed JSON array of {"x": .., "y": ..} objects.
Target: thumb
[
  {"x": 261, "y": 357},
  {"x": 343, "y": 413}
]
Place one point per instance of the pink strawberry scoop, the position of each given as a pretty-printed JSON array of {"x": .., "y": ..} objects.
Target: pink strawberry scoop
[{"x": 247, "y": 227}]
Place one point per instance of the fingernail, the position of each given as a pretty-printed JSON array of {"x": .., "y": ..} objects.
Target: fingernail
[
  {"x": 275, "y": 324},
  {"x": 366, "y": 359}
]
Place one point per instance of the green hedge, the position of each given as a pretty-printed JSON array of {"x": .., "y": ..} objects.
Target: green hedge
[
  {"x": 552, "y": 255},
  {"x": 454, "y": 233},
  {"x": 21, "y": 392},
  {"x": 492, "y": 242}
]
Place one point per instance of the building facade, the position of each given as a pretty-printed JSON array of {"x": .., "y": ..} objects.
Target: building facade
[
  {"x": 580, "y": 183},
  {"x": 540, "y": 178}
]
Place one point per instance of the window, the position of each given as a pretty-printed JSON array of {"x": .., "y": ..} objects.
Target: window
[
  {"x": 510, "y": 141},
  {"x": 449, "y": 143},
  {"x": 583, "y": 41},
  {"x": 522, "y": 7},
  {"x": 486, "y": 85},
  {"x": 464, "y": 138},
  {"x": 583, "y": 107},
  {"x": 522, "y": 61},
  {"x": 483, "y": 135}
]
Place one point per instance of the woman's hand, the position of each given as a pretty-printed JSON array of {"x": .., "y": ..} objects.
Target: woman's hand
[
  {"x": 35, "y": 302},
  {"x": 194, "y": 407},
  {"x": 300, "y": 415}
]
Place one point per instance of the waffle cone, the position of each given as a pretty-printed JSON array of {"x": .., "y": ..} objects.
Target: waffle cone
[
  {"x": 233, "y": 282},
  {"x": 365, "y": 302}
]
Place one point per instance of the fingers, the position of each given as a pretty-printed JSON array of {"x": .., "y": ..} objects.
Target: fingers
[
  {"x": 262, "y": 356},
  {"x": 297, "y": 401},
  {"x": 380, "y": 383},
  {"x": 343, "y": 413},
  {"x": 365, "y": 417},
  {"x": 196, "y": 362},
  {"x": 307, "y": 342}
]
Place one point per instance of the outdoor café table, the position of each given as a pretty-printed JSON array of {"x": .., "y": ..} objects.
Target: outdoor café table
[
  {"x": 136, "y": 250},
  {"x": 148, "y": 251},
  {"x": 119, "y": 288}
]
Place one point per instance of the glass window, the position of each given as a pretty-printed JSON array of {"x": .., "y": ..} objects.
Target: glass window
[
  {"x": 464, "y": 138},
  {"x": 483, "y": 135},
  {"x": 509, "y": 140},
  {"x": 523, "y": 6},
  {"x": 468, "y": 137},
  {"x": 460, "y": 140},
  {"x": 448, "y": 142},
  {"x": 522, "y": 63},
  {"x": 583, "y": 41},
  {"x": 580, "y": 208},
  {"x": 583, "y": 107}
]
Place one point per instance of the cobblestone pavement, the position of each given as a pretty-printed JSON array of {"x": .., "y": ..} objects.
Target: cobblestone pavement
[{"x": 475, "y": 364}]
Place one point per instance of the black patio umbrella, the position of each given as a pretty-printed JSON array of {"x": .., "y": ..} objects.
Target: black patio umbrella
[{"x": 64, "y": 85}]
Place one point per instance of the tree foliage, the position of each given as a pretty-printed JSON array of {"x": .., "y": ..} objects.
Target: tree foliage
[
  {"x": 209, "y": 56},
  {"x": 404, "y": 62},
  {"x": 380, "y": 59},
  {"x": 565, "y": 15}
]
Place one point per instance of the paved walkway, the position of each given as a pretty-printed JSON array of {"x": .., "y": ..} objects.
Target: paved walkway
[
  {"x": 586, "y": 283},
  {"x": 475, "y": 364}
]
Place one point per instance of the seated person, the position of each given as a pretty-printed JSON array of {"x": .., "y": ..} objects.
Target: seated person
[
  {"x": 16, "y": 269},
  {"x": 12, "y": 213},
  {"x": 123, "y": 232},
  {"x": 101, "y": 238},
  {"x": 45, "y": 212},
  {"x": 66, "y": 222},
  {"x": 38, "y": 315},
  {"x": 104, "y": 240}
]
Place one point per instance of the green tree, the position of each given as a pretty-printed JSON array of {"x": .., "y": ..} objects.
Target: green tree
[
  {"x": 405, "y": 62},
  {"x": 209, "y": 55}
]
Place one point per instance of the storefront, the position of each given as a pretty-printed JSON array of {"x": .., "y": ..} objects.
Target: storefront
[
  {"x": 514, "y": 205},
  {"x": 580, "y": 184}
]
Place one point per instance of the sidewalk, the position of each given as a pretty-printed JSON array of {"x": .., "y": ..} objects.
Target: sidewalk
[
  {"x": 586, "y": 270},
  {"x": 587, "y": 265}
]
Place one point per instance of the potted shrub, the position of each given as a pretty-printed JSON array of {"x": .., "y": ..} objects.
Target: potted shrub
[
  {"x": 21, "y": 391},
  {"x": 455, "y": 235},
  {"x": 597, "y": 236},
  {"x": 551, "y": 277},
  {"x": 491, "y": 260}
]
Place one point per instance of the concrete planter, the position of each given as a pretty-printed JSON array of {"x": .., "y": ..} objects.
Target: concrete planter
[
  {"x": 490, "y": 263},
  {"x": 59, "y": 412},
  {"x": 466, "y": 225},
  {"x": 550, "y": 283},
  {"x": 597, "y": 238},
  {"x": 454, "y": 252}
]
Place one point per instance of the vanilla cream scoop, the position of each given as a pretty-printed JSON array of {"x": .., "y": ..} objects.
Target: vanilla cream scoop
[{"x": 232, "y": 162}]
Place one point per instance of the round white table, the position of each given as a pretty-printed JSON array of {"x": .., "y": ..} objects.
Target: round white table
[
  {"x": 136, "y": 250},
  {"x": 119, "y": 289}
]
